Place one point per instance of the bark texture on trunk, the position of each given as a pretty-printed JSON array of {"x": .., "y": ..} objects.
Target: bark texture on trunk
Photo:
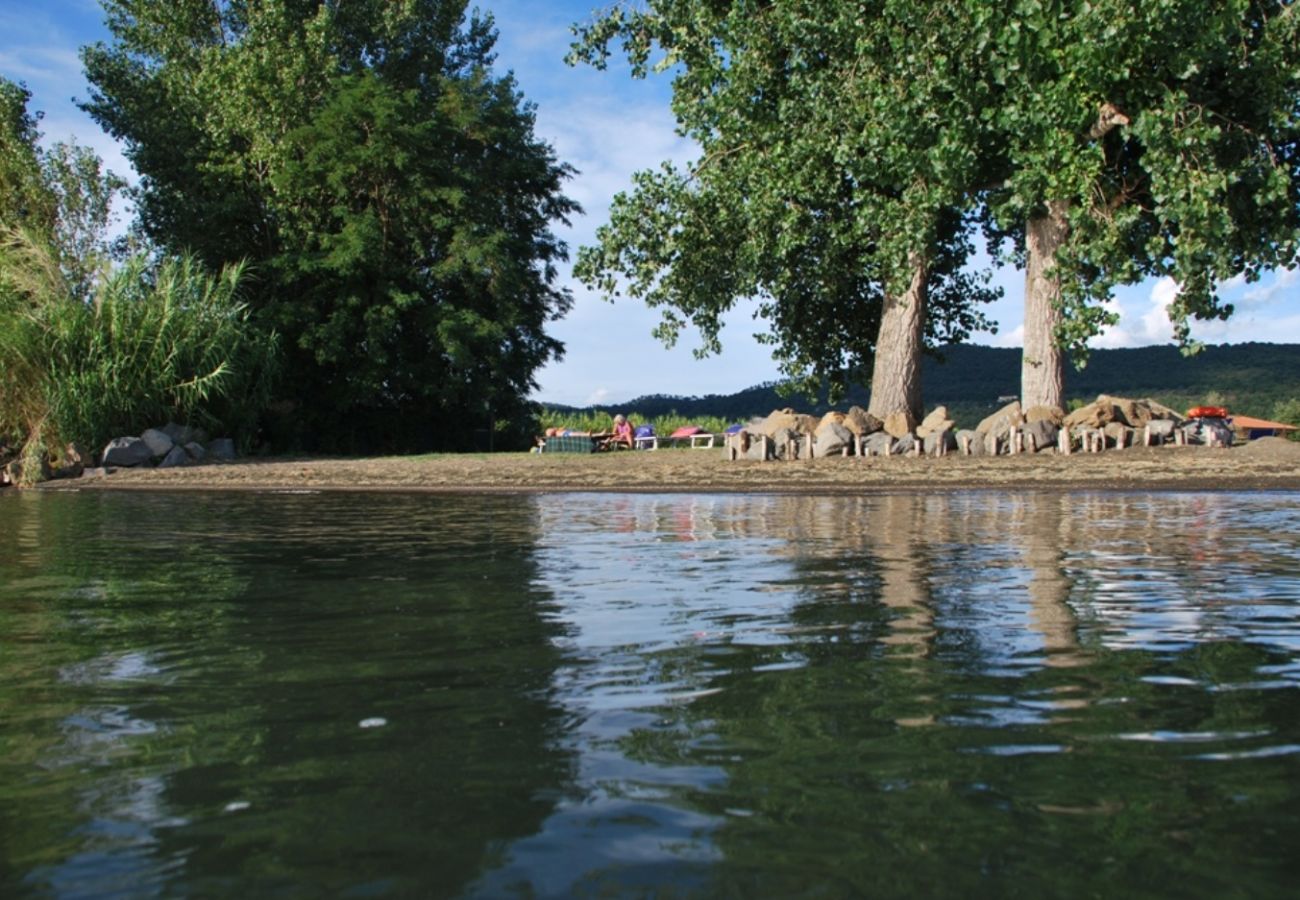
[
  {"x": 896, "y": 376},
  {"x": 1042, "y": 372}
]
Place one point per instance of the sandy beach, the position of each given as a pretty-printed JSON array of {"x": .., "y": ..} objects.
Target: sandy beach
[{"x": 1267, "y": 464}]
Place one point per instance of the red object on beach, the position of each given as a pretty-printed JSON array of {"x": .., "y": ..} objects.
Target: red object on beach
[
  {"x": 1208, "y": 412},
  {"x": 688, "y": 431}
]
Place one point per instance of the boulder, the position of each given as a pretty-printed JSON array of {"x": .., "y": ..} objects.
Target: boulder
[
  {"x": 756, "y": 445},
  {"x": 995, "y": 443},
  {"x": 180, "y": 434},
  {"x": 832, "y": 416},
  {"x": 159, "y": 443},
  {"x": 778, "y": 419},
  {"x": 935, "y": 422},
  {"x": 899, "y": 423},
  {"x": 1042, "y": 432},
  {"x": 831, "y": 439},
  {"x": 878, "y": 443},
  {"x": 861, "y": 422},
  {"x": 970, "y": 441},
  {"x": 126, "y": 452},
  {"x": 939, "y": 443},
  {"x": 1161, "y": 430},
  {"x": 1106, "y": 409},
  {"x": 222, "y": 449},
  {"x": 195, "y": 451},
  {"x": 1118, "y": 434},
  {"x": 176, "y": 456},
  {"x": 787, "y": 444},
  {"x": 1053, "y": 414},
  {"x": 906, "y": 445},
  {"x": 1001, "y": 422}
]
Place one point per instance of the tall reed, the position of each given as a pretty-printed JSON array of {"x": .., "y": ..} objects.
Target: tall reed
[{"x": 159, "y": 342}]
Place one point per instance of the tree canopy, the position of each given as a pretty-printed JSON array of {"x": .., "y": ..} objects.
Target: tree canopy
[
  {"x": 847, "y": 148},
  {"x": 385, "y": 184},
  {"x": 825, "y": 186}
]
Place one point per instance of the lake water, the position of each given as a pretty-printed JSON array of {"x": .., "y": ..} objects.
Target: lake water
[{"x": 371, "y": 695}]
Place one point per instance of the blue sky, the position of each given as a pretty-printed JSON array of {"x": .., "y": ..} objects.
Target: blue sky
[{"x": 608, "y": 126}]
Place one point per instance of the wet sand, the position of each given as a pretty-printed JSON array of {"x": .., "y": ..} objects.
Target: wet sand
[{"x": 1268, "y": 464}]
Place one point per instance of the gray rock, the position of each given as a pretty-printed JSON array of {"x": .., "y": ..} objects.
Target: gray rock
[
  {"x": 861, "y": 422},
  {"x": 1043, "y": 432},
  {"x": 222, "y": 449},
  {"x": 179, "y": 434},
  {"x": 878, "y": 443},
  {"x": 939, "y": 442},
  {"x": 1161, "y": 430},
  {"x": 787, "y": 443},
  {"x": 969, "y": 439},
  {"x": 195, "y": 451},
  {"x": 1000, "y": 423},
  {"x": 935, "y": 422},
  {"x": 176, "y": 456},
  {"x": 831, "y": 440},
  {"x": 126, "y": 452},
  {"x": 905, "y": 445},
  {"x": 159, "y": 443}
]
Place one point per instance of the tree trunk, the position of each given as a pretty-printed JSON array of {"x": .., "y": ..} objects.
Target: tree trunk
[
  {"x": 1042, "y": 371},
  {"x": 896, "y": 375}
]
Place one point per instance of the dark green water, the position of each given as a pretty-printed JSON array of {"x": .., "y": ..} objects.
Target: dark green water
[{"x": 586, "y": 695}]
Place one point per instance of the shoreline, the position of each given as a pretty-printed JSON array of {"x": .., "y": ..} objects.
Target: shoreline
[{"x": 1267, "y": 464}]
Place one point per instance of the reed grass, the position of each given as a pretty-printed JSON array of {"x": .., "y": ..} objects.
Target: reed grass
[{"x": 164, "y": 342}]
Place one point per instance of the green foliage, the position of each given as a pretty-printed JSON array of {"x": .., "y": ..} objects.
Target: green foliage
[
  {"x": 61, "y": 197},
  {"x": 1169, "y": 132},
  {"x": 1288, "y": 412},
  {"x": 839, "y": 141},
  {"x": 158, "y": 343},
  {"x": 832, "y": 165},
  {"x": 600, "y": 420},
  {"x": 387, "y": 186}
]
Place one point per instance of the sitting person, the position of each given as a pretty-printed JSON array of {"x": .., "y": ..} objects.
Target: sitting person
[{"x": 623, "y": 435}]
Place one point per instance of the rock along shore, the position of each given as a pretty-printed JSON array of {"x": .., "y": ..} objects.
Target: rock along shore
[{"x": 1266, "y": 464}]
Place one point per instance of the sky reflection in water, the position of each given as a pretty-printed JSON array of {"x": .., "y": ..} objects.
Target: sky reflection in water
[{"x": 630, "y": 694}]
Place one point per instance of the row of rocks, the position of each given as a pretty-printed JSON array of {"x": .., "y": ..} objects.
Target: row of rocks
[
  {"x": 165, "y": 447},
  {"x": 1106, "y": 422}
]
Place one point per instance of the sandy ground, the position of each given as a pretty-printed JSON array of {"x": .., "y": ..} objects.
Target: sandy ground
[{"x": 1268, "y": 464}]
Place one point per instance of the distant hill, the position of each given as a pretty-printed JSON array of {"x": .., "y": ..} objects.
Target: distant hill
[{"x": 1249, "y": 378}]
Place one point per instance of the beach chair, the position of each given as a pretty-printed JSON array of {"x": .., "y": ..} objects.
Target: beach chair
[{"x": 644, "y": 438}]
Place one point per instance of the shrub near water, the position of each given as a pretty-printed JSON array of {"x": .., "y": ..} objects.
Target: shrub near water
[{"x": 158, "y": 343}]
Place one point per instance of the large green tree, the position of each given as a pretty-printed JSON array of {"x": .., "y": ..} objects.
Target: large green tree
[
  {"x": 1138, "y": 140},
  {"x": 833, "y": 182},
  {"x": 1109, "y": 141},
  {"x": 387, "y": 186}
]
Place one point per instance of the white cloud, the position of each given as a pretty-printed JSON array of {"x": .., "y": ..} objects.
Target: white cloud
[
  {"x": 1013, "y": 338},
  {"x": 1285, "y": 285}
]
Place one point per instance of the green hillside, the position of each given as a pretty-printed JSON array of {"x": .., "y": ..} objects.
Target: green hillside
[{"x": 1257, "y": 379}]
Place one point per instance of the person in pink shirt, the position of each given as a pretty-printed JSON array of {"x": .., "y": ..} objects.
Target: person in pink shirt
[{"x": 623, "y": 437}]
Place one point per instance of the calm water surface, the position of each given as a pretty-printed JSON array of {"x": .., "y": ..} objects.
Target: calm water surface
[{"x": 593, "y": 695}]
